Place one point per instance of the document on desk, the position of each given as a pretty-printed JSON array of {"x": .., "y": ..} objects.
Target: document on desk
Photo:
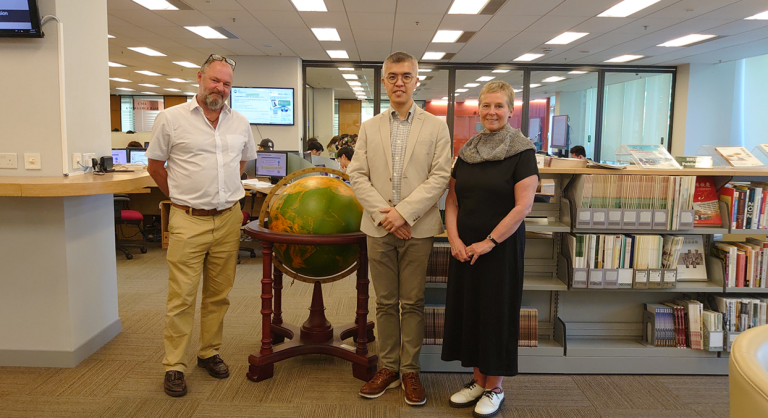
[{"x": 256, "y": 183}]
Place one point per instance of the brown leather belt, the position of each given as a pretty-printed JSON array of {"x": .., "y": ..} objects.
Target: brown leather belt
[{"x": 200, "y": 212}]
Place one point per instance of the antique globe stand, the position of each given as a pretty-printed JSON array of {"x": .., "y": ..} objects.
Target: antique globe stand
[{"x": 316, "y": 335}]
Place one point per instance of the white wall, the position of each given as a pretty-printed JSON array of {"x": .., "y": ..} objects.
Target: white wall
[
  {"x": 323, "y": 115},
  {"x": 710, "y": 105},
  {"x": 753, "y": 129},
  {"x": 57, "y": 255},
  {"x": 274, "y": 72}
]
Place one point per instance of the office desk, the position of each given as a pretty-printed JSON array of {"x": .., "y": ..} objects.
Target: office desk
[{"x": 80, "y": 185}]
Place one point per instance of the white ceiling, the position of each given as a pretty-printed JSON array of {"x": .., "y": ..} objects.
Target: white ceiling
[{"x": 372, "y": 29}]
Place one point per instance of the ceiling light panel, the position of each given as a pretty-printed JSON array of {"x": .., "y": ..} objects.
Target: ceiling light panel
[
  {"x": 148, "y": 85},
  {"x": 687, "y": 40},
  {"x": 500, "y": 71},
  {"x": 528, "y": 57},
  {"x": 486, "y": 78},
  {"x": 146, "y": 51},
  {"x": 310, "y": 5},
  {"x": 625, "y": 58},
  {"x": 461, "y": 90},
  {"x": 346, "y": 69},
  {"x": 350, "y": 76},
  {"x": 326, "y": 34},
  {"x": 467, "y": 7},
  {"x": 553, "y": 79},
  {"x": 206, "y": 32},
  {"x": 156, "y": 4},
  {"x": 186, "y": 64},
  {"x": 147, "y": 92},
  {"x": 110, "y": 36},
  {"x": 149, "y": 73},
  {"x": 121, "y": 80},
  {"x": 533, "y": 86},
  {"x": 124, "y": 89},
  {"x": 433, "y": 56},
  {"x": 425, "y": 70},
  {"x": 471, "y": 85},
  {"x": 179, "y": 80},
  {"x": 354, "y": 83},
  {"x": 577, "y": 72},
  {"x": 627, "y": 7},
  {"x": 172, "y": 89},
  {"x": 338, "y": 54},
  {"x": 114, "y": 64},
  {"x": 759, "y": 16},
  {"x": 358, "y": 88},
  {"x": 566, "y": 37},
  {"x": 447, "y": 36}
]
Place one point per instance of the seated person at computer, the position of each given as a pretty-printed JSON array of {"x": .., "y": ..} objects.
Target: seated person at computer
[
  {"x": 344, "y": 157},
  {"x": 135, "y": 144},
  {"x": 315, "y": 147},
  {"x": 334, "y": 145},
  {"x": 266, "y": 144},
  {"x": 578, "y": 152}
]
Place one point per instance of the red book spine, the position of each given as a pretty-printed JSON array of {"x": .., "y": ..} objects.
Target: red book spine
[
  {"x": 740, "y": 268},
  {"x": 741, "y": 209}
]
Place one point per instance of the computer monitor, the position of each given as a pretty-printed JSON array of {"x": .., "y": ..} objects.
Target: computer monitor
[
  {"x": 136, "y": 156},
  {"x": 273, "y": 164},
  {"x": 559, "y": 131},
  {"x": 119, "y": 156}
]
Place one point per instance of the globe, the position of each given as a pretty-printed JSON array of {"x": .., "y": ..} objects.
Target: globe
[{"x": 316, "y": 205}]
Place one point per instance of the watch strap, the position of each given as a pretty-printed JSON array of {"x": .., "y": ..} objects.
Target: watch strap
[{"x": 490, "y": 237}]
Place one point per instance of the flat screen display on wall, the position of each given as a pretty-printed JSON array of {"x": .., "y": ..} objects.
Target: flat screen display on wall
[
  {"x": 264, "y": 105},
  {"x": 19, "y": 19}
]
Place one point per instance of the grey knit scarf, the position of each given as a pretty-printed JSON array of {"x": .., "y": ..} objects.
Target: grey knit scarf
[{"x": 495, "y": 146}]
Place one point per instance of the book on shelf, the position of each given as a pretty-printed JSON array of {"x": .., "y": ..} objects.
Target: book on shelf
[
  {"x": 690, "y": 264},
  {"x": 673, "y": 194},
  {"x": 739, "y": 313},
  {"x": 659, "y": 325},
  {"x": 681, "y": 323},
  {"x": 747, "y": 204},
  {"x": 434, "y": 326},
  {"x": 705, "y": 203},
  {"x": 651, "y": 156},
  {"x": 696, "y": 161},
  {"x": 595, "y": 164},
  {"x": 437, "y": 266},
  {"x": 738, "y": 157}
]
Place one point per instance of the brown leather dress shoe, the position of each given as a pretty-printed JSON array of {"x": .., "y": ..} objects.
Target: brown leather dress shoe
[
  {"x": 215, "y": 366},
  {"x": 412, "y": 389},
  {"x": 174, "y": 383},
  {"x": 383, "y": 379}
]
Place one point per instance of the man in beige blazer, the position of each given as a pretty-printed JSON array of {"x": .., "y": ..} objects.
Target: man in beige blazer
[{"x": 401, "y": 168}]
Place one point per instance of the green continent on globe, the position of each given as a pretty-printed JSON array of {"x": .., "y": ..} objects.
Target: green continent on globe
[{"x": 316, "y": 205}]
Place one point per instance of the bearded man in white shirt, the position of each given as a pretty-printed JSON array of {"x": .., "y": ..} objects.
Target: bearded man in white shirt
[{"x": 206, "y": 145}]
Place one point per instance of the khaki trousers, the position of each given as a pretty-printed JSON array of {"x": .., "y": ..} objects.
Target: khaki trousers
[
  {"x": 204, "y": 246},
  {"x": 398, "y": 272}
]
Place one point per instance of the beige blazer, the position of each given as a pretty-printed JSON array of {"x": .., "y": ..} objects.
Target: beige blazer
[{"x": 426, "y": 171}]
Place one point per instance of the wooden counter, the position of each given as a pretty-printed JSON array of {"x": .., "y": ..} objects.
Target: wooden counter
[{"x": 80, "y": 185}]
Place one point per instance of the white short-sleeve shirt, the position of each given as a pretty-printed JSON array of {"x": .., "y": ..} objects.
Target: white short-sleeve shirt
[{"x": 203, "y": 162}]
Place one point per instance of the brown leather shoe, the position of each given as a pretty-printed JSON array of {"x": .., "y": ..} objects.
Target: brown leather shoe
[
  {"x": 412, "y": 389},
  {"x": 215, "y": 366},
  {"x": 174, "y": 383},
  {"x": 383, "y": 379}
]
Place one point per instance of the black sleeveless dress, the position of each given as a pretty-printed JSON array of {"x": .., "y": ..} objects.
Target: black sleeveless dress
[{"x": 482, "y": 308}]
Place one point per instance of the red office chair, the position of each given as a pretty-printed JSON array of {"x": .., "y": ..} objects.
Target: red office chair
[
  {"x": 125, "y": 216},
  {"x": 250, "y": 251}
]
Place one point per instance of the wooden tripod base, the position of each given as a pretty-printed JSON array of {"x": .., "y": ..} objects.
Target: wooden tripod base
[{"x": 280, "y": 341}]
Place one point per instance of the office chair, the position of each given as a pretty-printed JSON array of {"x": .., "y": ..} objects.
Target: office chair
[
  {"x": 250, "y": 251},
  {"x": 125, "y": 216}
]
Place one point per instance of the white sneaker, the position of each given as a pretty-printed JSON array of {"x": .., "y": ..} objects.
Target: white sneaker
[
  {"x": 489, "y": 404},
  {"x": 467, "y": 396}
]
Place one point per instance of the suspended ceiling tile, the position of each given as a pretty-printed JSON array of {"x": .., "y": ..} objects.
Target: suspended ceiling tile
[
  {"x": 422, "y": 21},
  {"x": 280, "y": 19},
  {"x": 509, "y": 23},
  {"x": 256, "y": 6},
  {"x": 186, "y": 17},
  {"x": 688, "y": 9},
  {"x": 528, "y": 7},
  {"x": 472, "y": 23},
  {"x": 325, "y": 20},
  {"x": 588, "y": 8},
  {"x": 370, "y": 6},
  {"x": 371, "y": 21},
  {"x": 374, "y": 50},
  {"x": 213, "y": 5},
  {"x": 144, "y": 18},
  {"x": 373, "y": 35}
]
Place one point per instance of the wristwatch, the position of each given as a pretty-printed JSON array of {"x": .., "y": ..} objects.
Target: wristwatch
[{"x": 490, "y": 237}]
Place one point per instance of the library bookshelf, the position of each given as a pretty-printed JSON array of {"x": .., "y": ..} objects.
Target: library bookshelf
[{"x": 600, "y": 331}]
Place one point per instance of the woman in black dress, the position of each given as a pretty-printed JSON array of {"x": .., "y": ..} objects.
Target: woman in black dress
[{"x": 492, "y": 189}]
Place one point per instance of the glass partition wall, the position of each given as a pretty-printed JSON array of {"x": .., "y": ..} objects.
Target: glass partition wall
[{"x": 558, "y": 106}]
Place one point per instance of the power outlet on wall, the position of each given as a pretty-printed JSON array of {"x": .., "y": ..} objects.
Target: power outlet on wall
[
  {"x": 8, "y": 160},
  {"x": 77, "y": 160},
  {"x": 87, "y": 158}
]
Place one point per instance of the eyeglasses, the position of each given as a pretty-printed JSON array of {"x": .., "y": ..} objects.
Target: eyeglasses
[
  {"x": 392, "y": 78},
  {"x": 215, "y": 57}
]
